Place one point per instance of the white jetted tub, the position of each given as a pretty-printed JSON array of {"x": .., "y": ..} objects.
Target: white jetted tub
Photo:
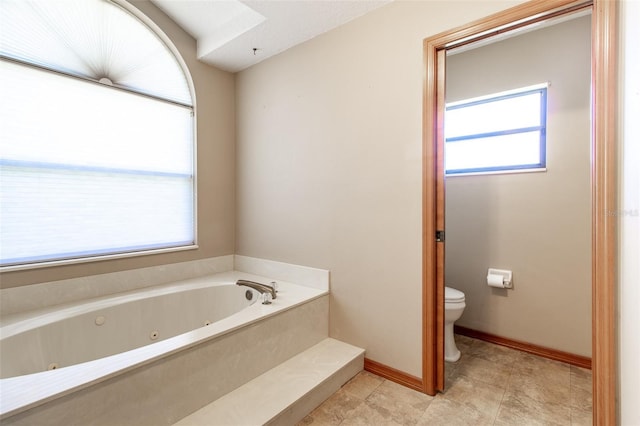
[
  {"x": 100, "y": 328},
  {"x": 134, "y": 356}
]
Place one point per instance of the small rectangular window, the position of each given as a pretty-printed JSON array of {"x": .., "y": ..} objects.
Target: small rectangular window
[{"x": 500, "y": 132}]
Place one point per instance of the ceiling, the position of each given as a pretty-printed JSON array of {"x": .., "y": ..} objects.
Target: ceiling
[{"x": 235, "y": 34}]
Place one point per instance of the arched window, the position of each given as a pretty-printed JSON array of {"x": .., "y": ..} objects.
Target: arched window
[{"x": 96, "y": 135}]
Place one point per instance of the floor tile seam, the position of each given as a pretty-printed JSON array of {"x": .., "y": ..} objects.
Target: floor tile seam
[
  {"x": 453, "y": 366},
  {"x": 366, "y": 401},
  {"x": 358, "y": 396},
  {"x": 504, "y": 392},
  {"x": 544, "y": 381},
  {"x": 375, "y": 389},
  {"x": 429, "y": 402},
  {"x": 497, "y": 360},
  {"x": 350, "y": 412},
  {"x": 576, "y": 385},
  {"x": 484, "y": 382},
  {"x": 571, "y": 415},
  {"x": 576, "y": 382},
  {"x": 403, "y": 403},
  {"x": 426, "y": 408},
  {"x": 371, "y": 406},
  {"x": 510, "y": 368},
  {"x": 568, "y": 404},
  {"x": 495, "y": 417},
  {"x": 464, "y": 403},
  {"x": 571, "y": 380},
  {"x": 581, "y": 374}
]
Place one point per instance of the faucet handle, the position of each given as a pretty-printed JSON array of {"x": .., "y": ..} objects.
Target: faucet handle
[
  {"x": 266, "y": 298},
  {"x": 275, "y": 286}
]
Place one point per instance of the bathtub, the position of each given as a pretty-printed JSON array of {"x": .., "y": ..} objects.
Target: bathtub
[
  {"x": 100, "y": 328},
  {"x": 150, "y": 356}
]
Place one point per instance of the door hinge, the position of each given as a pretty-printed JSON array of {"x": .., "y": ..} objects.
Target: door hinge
[{"x": 439, "y": 236}]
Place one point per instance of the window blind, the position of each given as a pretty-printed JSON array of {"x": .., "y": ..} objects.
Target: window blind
[
  {"x": 93, "y": 39},
  {"x": 88, "y": 169}
]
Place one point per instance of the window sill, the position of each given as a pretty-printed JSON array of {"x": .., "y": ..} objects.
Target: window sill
[
  {"x": 499, "y": 172},
  {"x": 64, "y": 262}
]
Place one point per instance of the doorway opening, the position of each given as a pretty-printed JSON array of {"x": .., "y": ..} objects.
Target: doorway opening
[{"x": 602, "y": 185}]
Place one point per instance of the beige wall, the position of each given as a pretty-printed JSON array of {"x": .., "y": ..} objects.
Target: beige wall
[
  {"x": 536, "y": 224},
  {"x": 215, "y": 91},
  {"x": 330, "y": 165}
]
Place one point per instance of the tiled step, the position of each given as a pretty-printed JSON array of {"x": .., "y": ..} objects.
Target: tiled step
[{"x": 286, "y": 393}]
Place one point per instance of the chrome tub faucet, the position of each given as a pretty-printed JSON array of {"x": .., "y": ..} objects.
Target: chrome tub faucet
[{"x": 262, "y": 288}]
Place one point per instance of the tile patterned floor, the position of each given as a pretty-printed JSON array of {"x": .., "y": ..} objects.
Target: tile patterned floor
[{"x": 489, "y": 385}]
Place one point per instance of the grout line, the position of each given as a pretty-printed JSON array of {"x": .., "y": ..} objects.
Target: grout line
[
  {"x": 362, "y": 400},
  {"x": 504, "y": 390},
  {"x": 570, "y": 395},
  {"x": 495, "y": 419}
]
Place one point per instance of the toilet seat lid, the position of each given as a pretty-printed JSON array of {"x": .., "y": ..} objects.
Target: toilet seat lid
[{"x": 453, "y": 295}]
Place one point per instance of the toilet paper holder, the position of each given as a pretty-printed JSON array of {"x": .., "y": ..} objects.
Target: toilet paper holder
[{"x": 493, "y": 278}]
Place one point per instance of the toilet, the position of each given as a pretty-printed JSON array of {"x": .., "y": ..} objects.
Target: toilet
[{"x": 453, "y": 307}]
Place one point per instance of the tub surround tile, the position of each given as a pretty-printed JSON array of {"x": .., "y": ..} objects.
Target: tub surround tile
[
  {"x": 38, "y": 296},
  {"x": 301, "y": 275},
  {"x": 271, "y": 402},
  {"x": 312, "y": 400}
]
